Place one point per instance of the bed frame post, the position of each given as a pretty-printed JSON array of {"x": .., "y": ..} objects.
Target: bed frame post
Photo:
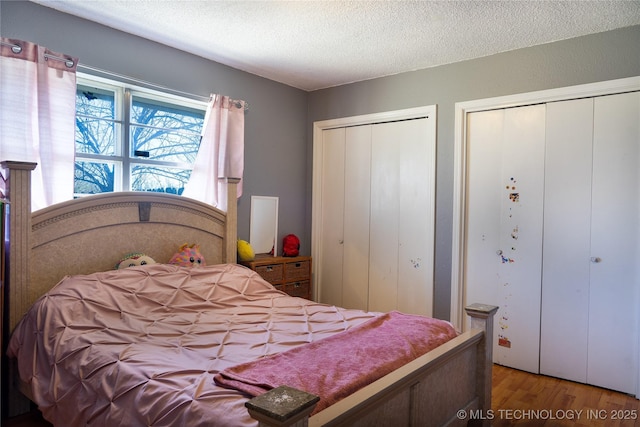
[
  {"x": 482, "y": 318},
  {"x": 231, "y": 199},
  {"x": 19, "y": 194},
  {"x": 18, "y": 179},
  {"x": 282, "y": 406}
]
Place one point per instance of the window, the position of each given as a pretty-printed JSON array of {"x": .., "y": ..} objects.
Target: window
[{"x": 133, "y": 139}]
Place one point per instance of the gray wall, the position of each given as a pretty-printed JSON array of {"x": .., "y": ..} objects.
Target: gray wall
[
  {"x": 278, "y": 130},
  {"x": 598, "y": 57},
  {"x": 275, "y": 125}
]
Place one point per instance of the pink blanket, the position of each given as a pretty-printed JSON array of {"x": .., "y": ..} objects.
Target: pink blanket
[{"x": 339, "y": 365}]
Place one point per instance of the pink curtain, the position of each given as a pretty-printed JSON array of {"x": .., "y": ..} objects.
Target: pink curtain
[
  {"x": 221, "y": 152},
  {"x": 37, "y": 116}
]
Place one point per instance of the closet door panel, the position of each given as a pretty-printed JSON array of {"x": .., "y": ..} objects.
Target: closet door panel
[
  {"x": 484, "y": 195},
  {"x": 519, "y": 272},
  {"x": 567, "y": 225},
  {"x": 415, "y": 233},
  {"x": 357, "y": 200},
  {"x": 504, "y": 254},
  {"x": 384, "y": 230},
  {"x": 615, "y": 281},
  {"x": 331, "y": 247}
]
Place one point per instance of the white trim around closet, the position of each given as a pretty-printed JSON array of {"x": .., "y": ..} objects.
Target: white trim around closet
[{"x": 460, "y": 164}]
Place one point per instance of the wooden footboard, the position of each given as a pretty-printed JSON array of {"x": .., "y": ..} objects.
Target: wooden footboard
[{"x": 446, "y": 387}]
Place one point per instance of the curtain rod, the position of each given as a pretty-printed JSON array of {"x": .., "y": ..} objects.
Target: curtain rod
[
  {"x": 139, "y": 82},
  {"x": 16, "y": 48}
]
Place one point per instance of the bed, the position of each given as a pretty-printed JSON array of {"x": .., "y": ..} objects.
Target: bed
[{"x": 179, "y": 339}]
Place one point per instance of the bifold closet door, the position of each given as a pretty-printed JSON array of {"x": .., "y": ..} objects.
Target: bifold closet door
[
  {"x": 357, "y": 202},
  {"x": 377, "y": 239},
  {"x": 567, "y": 230},
  {"x": 614, "y": 303},
  {"x": 332, "y": 216},
  {"x": 401, "y": 249},
  {"x": 591, "y": 280},
  {"x": 503, "y": 259},
  {"x": 345, "y": 217}
]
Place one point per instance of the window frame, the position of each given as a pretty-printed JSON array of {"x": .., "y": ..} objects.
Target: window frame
[{"x": 124, "y": 93}]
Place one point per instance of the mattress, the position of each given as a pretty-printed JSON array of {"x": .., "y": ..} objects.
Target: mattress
[{"x": 141, "y": 346}]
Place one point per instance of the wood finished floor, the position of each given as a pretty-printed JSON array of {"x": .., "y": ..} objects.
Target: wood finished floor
[{"x": 526, "y": 400}]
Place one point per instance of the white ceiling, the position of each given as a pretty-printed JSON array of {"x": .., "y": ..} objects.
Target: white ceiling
[{"x": 317, "y": 44}]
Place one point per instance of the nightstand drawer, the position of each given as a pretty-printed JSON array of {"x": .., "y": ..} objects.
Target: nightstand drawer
[
  {"x": 291, "y": 275},
  {"x": 300, "y": 289},
  {"x": 272, "y": 273},
  {"x": 298, "y": 270}
]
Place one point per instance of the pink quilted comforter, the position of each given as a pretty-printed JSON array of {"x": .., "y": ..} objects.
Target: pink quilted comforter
[{"x": 141, "y": 346}]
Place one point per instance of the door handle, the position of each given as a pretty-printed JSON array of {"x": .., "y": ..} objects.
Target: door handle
[{"x": 596, "y": 259}]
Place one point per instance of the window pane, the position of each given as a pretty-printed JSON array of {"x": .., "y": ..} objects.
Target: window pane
[
  {"x": 165, "y": 132},
  {"x": 95, "y": 128},
  {"x": 158, "y": 179},
  {"x": 96, "y": 136},
  {"x": 93, "y": 177},
  {"x": 163, "y": 145}
]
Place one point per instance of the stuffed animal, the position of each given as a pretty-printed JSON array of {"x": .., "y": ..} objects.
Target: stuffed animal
[
  {"x": 245, "y": 251},
  {"x": 188, "y": 256},
  {"x": 134, "y": 259}
]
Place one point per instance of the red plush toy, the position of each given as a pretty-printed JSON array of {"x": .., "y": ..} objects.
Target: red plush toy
[{"x": 290, "y": 245}]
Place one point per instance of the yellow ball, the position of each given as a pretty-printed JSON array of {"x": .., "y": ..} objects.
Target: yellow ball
[{"x": 245, "y": 251}]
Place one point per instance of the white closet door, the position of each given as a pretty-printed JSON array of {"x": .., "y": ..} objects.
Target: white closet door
[
  {"x": 504, "y": 250},
  {"x": 402, "y": 223},
  {"x": 332, "y": 215},
  {"x": 376, "y": 245},
  {"x": 385, "y": 210},
  {"x": 484, "y": 198},
  {"x": 355, "y": 293},
  {"x": 591, "y": 287},
  {"x": 416, "y": 243},
  {"x": 614, "y": 308},
  {"x": 567, "y": 239}
]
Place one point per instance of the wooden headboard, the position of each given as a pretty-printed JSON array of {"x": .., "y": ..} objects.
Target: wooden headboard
[{"x": 93, "y": 233}]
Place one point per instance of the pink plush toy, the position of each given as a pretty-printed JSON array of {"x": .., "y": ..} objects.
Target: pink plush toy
[{"x": 188, "y": 256}]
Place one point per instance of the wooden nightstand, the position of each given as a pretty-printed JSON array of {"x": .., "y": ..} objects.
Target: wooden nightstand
[{"x": 288, "y": 274}]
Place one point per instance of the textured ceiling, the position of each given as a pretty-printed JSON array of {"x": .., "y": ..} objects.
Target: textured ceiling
[{"x": 318, "y": 44}]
